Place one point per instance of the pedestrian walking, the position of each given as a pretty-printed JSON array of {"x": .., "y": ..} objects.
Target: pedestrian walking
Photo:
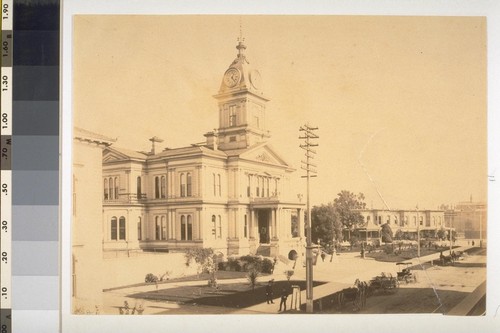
[
  {"x": 269, "y": 292},
  {"x": 284, "y": 296}
]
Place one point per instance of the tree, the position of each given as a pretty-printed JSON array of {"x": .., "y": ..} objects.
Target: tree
[
  {"x": 346, "y": 206},
  {"x": 329, "y": 220},
  {"x": 206, "y": 260},
  {"x": 442, "y": 234},
  {"x": 386, "y": 233}
]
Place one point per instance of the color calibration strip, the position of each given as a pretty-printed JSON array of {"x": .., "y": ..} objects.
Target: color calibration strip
[
  {"x": 30, "y": 174},
  {"x": 6, "y": 171}
]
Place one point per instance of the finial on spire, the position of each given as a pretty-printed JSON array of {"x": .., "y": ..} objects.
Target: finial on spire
[{"x": 241, "y": 47}]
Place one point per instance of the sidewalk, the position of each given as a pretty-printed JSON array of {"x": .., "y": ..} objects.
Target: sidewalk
[{"x": 339, "y": 274}]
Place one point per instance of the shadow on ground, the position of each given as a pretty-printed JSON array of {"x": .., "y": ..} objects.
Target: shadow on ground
[{"x": 237, "y": 295}]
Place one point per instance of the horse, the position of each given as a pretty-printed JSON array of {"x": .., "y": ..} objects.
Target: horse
[{"x": 355, "y": 294}]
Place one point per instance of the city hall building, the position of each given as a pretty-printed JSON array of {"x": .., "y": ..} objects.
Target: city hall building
[{"x": 230, "y": 193}]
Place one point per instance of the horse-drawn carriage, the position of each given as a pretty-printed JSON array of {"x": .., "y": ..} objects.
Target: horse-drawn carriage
[
  {"x": 406, "y": 274},
  {"x": 383, "y": 283}
]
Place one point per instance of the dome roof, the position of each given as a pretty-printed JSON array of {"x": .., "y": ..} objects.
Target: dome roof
[{"x": 241, "y": 76}]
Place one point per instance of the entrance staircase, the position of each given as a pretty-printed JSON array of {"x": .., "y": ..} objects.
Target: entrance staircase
[{"x": 263, "y": 250}]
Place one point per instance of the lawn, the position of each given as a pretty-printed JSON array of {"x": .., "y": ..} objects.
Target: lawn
[{"x": 233, "y": 295}]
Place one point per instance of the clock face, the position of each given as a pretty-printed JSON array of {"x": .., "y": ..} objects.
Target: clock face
[
  {"x": 255, "y": 79},
  {"x": 232, "y": 77}
]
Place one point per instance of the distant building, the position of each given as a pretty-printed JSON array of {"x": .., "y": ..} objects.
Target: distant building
[
  {"x": 470, "y": 219},
  {"x": 230, "y": 193},
  {"x": 407, "y": 222}
]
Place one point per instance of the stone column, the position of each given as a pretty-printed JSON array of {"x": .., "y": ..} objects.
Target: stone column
[{"x": 301, "y": 222}]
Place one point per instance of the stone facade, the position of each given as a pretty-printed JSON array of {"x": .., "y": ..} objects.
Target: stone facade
[{"x": 231, "y": 193}]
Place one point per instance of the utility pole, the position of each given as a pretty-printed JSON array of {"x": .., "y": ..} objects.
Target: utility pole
[{"x": 308, "y": 136}]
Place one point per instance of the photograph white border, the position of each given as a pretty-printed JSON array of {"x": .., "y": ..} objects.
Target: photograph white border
[{"x": 289, "y": 323}]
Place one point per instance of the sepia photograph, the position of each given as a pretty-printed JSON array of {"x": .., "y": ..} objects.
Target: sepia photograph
[{"x": 279, "y": 164}]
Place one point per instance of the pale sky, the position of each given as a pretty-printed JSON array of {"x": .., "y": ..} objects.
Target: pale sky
[{"x": 403, "y": 96}]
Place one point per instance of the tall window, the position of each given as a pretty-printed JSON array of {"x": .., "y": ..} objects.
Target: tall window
[
  {"x": 257, "y": 181},
  {"x": 421, "y": 220},
  {"x": 368, "y": 219},
  {"x": 163, "y": 227},
  {"x": 214, "y": 232},
  {"x": 215, "y": 184},
  {"x": 189, "y": 228},
  {"x": 433, "y": 220},
  {"x": 106, "y": 189},
  {"x": 262, "y": 184},
  {"x": 267, "y": 187},
  {"x": 114, "y": 228},
  {"x": 122, "y": 228},
  {"x": 245, "y": 227},
  {"x": 276, "y": 187},
  {"x": 414, "y": 221},
  {"x": 157, "y": 228},
  {"x": 117, "y": 188},
  {"x": 379, "y": 220},
  {"x": 294, "y": 224},
  {"x": 183, "y": 227},
  {"x": 163, "y": 185},
  {"x": 219, "y": 228},
  {"x": 157, "y": 187},
  {"x": 218, "y": 185},
  {"x": 189, "y": 193},
  {"x": 139, "y": 229},
  {"x": 232, "y": 116},
  {"x": 139, "y": 188},
  {"x": 183, "y": 185},
  {"x": 111, "y": 186},
  {"x": 248, "y": 186}
]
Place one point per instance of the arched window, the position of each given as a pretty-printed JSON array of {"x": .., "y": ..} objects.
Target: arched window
[
  {"x": 189, "y": 193},
  {"x": 157, "y": 187},
  {"x": 114, "y": 228},
  {"x": 214, "y": 230},
  {"x": 219, "y": 228},
  {"x": 163, "y": 185},
  {"x": 111, "y": 186},
  {"x": 139, "y": 229},
  {"x": 122, "y": 230},
  {"x": 163, "y": 227},
  {"x": 117, "y": 188},
  {"x": 183, "y": 227},
  {"x": 139, "y": 188},
  {"x": 189, "y": 228},
  {"x": 183, "y": 185},
  {"x": 157, "y": 228},
  {"x": 106, "y": 189}
]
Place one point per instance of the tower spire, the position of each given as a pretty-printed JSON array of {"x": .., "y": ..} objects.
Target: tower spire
[{"x": 241, "y": 47}]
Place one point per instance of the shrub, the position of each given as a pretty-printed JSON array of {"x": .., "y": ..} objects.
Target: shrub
[
  {"x": 267, "y": 266},
  {"x": 150, "y": 278}
]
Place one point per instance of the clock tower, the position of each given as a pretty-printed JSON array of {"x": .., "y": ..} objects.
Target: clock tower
[{"x": 242, "y": 106}]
